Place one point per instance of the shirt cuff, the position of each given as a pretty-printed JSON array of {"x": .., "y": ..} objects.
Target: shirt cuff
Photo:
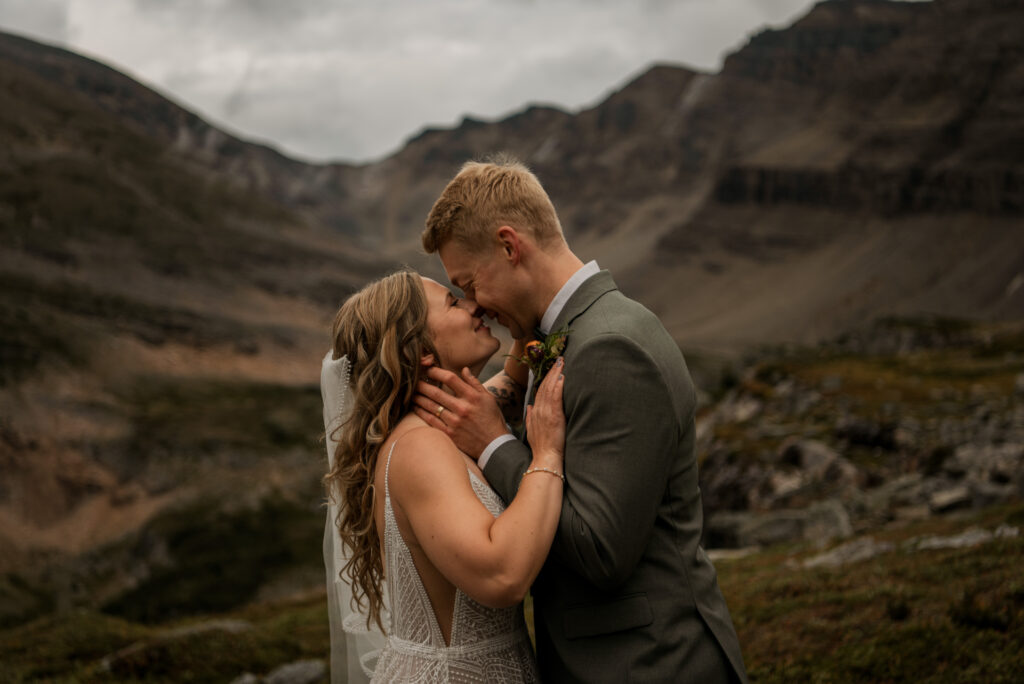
[{"x": 491, "y": 448}]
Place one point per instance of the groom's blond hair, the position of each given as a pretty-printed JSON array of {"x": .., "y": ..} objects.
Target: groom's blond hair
[{"x": 486, "y": 195}]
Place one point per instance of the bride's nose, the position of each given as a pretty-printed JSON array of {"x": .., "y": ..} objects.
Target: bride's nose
[{"x": 472, "y": 307}]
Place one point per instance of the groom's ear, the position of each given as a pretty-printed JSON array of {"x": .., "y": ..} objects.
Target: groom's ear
[{"x": 511, "y": 245}]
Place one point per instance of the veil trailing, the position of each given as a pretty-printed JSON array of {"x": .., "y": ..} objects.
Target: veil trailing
[{"x": 354, "y": 647}]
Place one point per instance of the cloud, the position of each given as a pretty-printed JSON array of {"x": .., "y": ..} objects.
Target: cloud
[
  {"x": 329, "y": 79},
  {"x": 44, "y": 19}
]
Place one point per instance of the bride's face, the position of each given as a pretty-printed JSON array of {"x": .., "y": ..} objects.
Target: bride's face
[{"x": 458, "y": 330}]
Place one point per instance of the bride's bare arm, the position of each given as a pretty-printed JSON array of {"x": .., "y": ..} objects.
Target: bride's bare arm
[{"x": 493, "y": 560}]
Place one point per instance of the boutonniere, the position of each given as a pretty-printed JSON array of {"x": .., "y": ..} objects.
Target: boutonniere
[{"x": 540, "y": 355}]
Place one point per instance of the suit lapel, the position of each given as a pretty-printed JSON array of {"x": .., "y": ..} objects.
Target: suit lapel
[{"x": 592, "y": 289}]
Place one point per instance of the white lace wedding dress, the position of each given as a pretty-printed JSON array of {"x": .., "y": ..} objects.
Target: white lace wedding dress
[{"x": 487, "y": 645}]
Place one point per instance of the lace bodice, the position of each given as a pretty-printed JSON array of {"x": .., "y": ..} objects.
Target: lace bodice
[{"x": 487, "y": 645}]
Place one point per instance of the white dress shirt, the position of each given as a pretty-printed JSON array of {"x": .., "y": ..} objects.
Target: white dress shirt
[{"x": 546, "y": 322}]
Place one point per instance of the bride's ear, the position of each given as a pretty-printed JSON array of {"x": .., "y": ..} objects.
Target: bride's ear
[{"x": 428, "y": 361}]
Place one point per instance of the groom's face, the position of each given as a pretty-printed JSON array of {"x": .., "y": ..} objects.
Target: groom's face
[{"x": 491, "y": 281}]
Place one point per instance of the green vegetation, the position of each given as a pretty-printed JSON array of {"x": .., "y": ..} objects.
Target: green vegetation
[
  {"x": 917, "y": 361},
  {"x": 57, "y": 647},
  {"x": 72, "y": 647},
  {"x": 30, "y": 336},
  {"x": 953, "y": 615},
  {"x": 208, "y": 554},
  {"x": 202, "y": 417},
  {"x": 217, "y": 559},
  {"x": 21, "y": 599},
  {"x": 45, "y": 314},
  {"x": 882, "y": 399}
]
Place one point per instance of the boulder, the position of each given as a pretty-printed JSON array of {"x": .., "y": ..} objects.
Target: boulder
[
  {"x": 728, "y": 482},
  {"x": 781, "y": 483},
  {"x": 907, "y": 491},
  {"x": 299, "y": 672},
  {"x": 994, "y": 462},
  {"x": 851, "y": 552},
  {"x": 817, "y": 461},
  {"x": 775, "y": 527},
  {"x": 985, "y": 493},
  {"x": 969, "y": 537},
  {"x": 950, "y": 499},
  {"x": 741, "y": 410},
  {"x": 921, "y": 512},
  {"x": 868, "y": 433},
  {"x": 740, "y": 529},
  {"x": 993, "y": 473},
  {"x": 825, "y": 521},
  {"x": 246, "y": 678}
]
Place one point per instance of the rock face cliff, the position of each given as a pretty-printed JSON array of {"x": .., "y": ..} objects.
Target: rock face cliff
[{"x": 167, "y": 287}]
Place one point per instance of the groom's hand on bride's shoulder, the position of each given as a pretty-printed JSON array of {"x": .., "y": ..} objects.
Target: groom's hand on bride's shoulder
[{"x": 469, "y": 414}]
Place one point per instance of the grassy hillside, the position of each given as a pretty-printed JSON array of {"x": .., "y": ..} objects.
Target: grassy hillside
[
  {"x": 949, "y": 615},
  {"x": 945, "y": 615}
]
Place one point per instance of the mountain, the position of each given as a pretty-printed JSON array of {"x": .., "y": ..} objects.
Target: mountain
[
  {"x": 863, "y": 162},
  {"x": 160, "y": 325},
  {"x": 167, "y": 287},
  {"x": 859, "y": 153},
  {"x": 874, "y": 168}
]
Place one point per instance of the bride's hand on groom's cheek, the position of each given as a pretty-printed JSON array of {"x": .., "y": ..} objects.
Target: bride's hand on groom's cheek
[{"x": 468, "y": 414}]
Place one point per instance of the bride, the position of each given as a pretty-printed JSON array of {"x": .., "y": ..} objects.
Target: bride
[{"x": 417, "y": 543}]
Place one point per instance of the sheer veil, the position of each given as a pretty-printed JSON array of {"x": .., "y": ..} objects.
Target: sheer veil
[{"x": 354, "y": 648}]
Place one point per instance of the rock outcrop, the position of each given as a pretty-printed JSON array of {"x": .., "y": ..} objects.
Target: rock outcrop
[{"x": 885, "y": 436}]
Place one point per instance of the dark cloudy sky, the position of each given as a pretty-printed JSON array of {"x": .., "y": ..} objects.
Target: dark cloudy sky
[{"x": 337, "y": 79}]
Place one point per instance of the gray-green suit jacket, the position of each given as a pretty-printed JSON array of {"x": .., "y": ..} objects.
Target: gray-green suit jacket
[{"x": 627, "y": 593}]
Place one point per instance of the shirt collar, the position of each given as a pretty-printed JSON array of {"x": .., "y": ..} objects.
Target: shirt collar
[{"x": 571, "y": 285}]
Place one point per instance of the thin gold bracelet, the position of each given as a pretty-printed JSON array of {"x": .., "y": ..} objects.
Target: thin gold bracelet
[{"x": 545, "y": 470}]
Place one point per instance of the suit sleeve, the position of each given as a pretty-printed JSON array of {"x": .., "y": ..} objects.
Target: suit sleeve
[
  {"x": 505, "y": 468},
  {"x": 621, "y": 437}
]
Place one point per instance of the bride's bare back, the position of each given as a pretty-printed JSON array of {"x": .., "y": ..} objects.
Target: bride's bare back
[
  {"x": 438, "y": 632},
  {"x": 440, "y": 591}
]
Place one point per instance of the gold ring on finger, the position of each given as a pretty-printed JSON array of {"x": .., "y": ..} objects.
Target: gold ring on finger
[{"x": 439, "y": 411}]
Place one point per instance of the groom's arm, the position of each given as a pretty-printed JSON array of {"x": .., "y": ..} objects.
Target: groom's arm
[
  {"x": 509, "y": 395},
  {"x": 621, "y": 439},
  {"x": 508, "y": 386},
  {"x": 504, "y": 469}
]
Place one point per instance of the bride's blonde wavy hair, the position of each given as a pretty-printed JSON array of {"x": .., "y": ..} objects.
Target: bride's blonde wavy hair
[{"x": 383, "y": 331}]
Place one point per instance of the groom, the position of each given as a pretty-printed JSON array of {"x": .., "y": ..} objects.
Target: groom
[{"x": 627, "y": 593}]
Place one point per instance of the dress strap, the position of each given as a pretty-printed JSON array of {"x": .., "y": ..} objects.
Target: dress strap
[
  {"x": 387, "y": 464},
  {"x": 387, "y": 468}
]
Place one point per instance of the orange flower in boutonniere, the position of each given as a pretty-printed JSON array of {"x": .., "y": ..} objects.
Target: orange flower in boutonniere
[{"x": 539, "y": 355}]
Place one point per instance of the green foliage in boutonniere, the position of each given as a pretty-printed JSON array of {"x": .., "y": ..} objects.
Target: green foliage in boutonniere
[{"x": 540, "y": 355}]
